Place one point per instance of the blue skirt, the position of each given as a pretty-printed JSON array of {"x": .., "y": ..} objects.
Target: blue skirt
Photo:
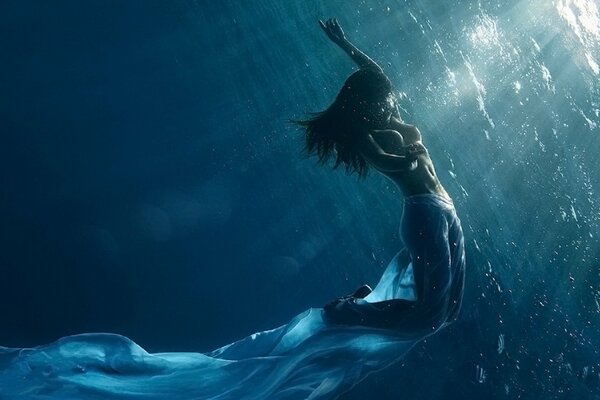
[{"x": 311, "y": 357}]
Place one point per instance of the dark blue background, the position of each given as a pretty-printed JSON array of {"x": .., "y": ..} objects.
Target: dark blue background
[{"x": 152, "y": 185}]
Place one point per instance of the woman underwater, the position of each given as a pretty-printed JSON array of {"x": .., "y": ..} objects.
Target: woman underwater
[
  {"x": 362, "y": 129},
  {"x": 320, "y": 353}
]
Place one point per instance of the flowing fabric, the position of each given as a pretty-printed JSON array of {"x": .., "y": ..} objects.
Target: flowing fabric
[
  {"x": 308, "y": 358},
  {"x": 433, "y": 237}
]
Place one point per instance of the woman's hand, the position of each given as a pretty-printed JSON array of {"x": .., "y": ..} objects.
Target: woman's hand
[
  {"x": 333, "y": 30},
  {"x": 413, "y": 150}
]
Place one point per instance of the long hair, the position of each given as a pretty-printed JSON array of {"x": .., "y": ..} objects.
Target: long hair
[{"x": 333, "y": 134}]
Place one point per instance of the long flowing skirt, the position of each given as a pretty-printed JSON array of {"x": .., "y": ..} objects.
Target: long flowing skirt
[{"x": 307, "y": 358}]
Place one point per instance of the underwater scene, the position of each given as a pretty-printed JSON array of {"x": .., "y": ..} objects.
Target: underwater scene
[{"x": 168, "y": 233}]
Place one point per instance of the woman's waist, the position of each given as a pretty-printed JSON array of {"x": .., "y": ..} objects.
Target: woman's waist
[
  {"x": 436, "y": 198},
  {"x": 414, "y": 185}
]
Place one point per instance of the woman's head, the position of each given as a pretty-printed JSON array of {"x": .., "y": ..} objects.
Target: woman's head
[
  {"x": 364, "y": 103},
  {"x": 367, "y": 99}
]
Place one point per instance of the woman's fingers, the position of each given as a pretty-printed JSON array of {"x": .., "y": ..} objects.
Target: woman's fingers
[
  {"x": 325, "y": 25},
  {"x": 416, "y": 148},
  {"x": 332, "y": 28},
  {"x": 326, "y": 28}
]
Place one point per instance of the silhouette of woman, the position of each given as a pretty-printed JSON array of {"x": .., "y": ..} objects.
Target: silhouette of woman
[{"x": 362, "y": 129}]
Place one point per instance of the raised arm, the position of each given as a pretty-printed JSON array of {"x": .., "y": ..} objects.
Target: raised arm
[{"x": 334, "y": 32}]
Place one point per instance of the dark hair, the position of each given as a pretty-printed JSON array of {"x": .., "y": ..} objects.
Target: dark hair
[{"x": 333, "y": 133}]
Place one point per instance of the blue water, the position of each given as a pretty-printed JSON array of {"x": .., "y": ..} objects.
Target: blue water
[{"x": 152, "y": 186}]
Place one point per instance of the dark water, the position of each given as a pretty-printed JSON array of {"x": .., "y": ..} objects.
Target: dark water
[{"x": 152, "y": 186}]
